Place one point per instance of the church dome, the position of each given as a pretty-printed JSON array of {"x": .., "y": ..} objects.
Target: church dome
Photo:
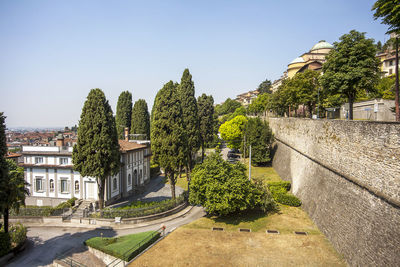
[
  {"x": 297, "y": 60},
  {"x": 322, "y": 45}
]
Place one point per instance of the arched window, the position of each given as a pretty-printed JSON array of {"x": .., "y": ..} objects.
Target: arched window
[
  {"x": 76, "y": 186},
  {"x": 129, "y": 179},
  {"x": 135, "y": 181},
  {"x": 51, "y": 185},
  {"x": 115, "y": 183}
]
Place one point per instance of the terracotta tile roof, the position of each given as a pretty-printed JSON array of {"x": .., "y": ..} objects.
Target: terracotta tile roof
[
  {"x": 128, "y": 146},
  {"x": 13, "y": 155}
]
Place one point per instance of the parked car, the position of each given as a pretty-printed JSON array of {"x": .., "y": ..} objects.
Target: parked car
[{"x": 232, "y": 155}]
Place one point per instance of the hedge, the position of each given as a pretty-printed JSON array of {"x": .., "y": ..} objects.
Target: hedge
[
  {"x": 44, "y": 210},
  {"x": 279, "y": 191},
  {"x": 139, "y": 209},
  {"x": 5, "y": 244}
]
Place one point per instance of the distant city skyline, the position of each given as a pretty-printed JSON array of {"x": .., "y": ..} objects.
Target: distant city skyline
[{"x": 54, "y": 52}]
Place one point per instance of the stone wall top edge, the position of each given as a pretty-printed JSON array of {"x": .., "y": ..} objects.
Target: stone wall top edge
[{"x": 338, "y": 121}]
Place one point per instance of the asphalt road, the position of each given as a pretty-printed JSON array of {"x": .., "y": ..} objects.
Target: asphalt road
[{"x": 45, "y": 243}]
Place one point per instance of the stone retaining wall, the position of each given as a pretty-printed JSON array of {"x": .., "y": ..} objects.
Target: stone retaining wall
[{"x": 347, "y": 174}]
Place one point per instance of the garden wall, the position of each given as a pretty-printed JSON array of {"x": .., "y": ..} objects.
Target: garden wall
[{"x": 347, "y": 174}]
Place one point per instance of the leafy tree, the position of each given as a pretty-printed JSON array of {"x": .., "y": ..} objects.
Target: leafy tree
[
  {"x": 379, "y": 46},
  {"x": 232, "y": 131},
  {"x": 124, "y": 113},
  {"x": 96, "y": 152},
  {"x": 306, "y": 87},
  {"x": 260, "y": 104},
  {"x": 140, "y": 119},
  {"x": 223, "y": 188},
  {"x": 190, "y": 118},
  {"x": 239, "y": 111},
  {"x": 205, "y": 106},
  {"x": 259, "y": 135},
  {"x": 15, "y": 190},
  {"x": 265, "y": 87},
  {"x": 351, "y": 67},
  {"x": 385, "y": 88},
  {"x": 229, "y": 106},
  {"x": 389, "y": 12},
  {"x": 168, "y": 137}
]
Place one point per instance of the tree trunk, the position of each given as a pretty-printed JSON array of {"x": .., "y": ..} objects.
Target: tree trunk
[
  {"x": 172, "y": 183},
  {"x": 202, "y": 152},
  {"x": 351, "y": 100},
  {"x": 180, "y": 171},
  {"x": 396, "y": 99},
  {"x": 100, "y": 185},
  {"x": 5, "y": 215}
]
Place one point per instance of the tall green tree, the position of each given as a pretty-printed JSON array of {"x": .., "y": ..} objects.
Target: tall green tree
[
  {"x": 140, "y": 119},
  {"x": 389, "y": 12},
  {"x": 190, "y": 118},
  {"x": 124, "y": 113},
  {"x": 306, "y": 86},
  {"x": 265, "y": 87},
  {"x": 260, "y": 104},
  {"x": 16, "y": 191},
  {"x": 259, "y": 135},
  {"x": 229, "y": 106},
  {"x": 351, "y": 67},
  {"x": 205, "y": 106},
  {"x": 4, "y": 179},
  {"x": 168, "y": 138},
  {"x": 232, "y": 131},
  {"x": 96, "y": 152}
]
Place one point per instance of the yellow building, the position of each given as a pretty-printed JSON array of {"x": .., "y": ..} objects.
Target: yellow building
[{"x": 311, "y": 60}]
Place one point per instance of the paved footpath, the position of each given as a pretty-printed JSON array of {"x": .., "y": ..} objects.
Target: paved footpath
[{"x": 45, "y": 242}]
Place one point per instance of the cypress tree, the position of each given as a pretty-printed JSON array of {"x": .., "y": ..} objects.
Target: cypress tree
[
  {"x": 124, "y": 113},
  {"x": 167, "y": 132},
  {"x": 140, "y": 119},
  {"x": 206, "y": 120},
  {"x": 190, "y": 118},
  {"x": 96, "y": 153},
  {"x": 3, "y": 162}
]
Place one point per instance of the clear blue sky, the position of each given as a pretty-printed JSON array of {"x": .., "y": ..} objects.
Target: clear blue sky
[{"x": 53, "y": 52}]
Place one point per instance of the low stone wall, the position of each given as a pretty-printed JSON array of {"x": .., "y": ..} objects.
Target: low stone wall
[
  {"x": 347, "y": 175},
  {"x": 106, "y": 258}
]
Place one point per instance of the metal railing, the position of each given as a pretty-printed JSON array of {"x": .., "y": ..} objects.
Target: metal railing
[{"x": 68, "y": 260}]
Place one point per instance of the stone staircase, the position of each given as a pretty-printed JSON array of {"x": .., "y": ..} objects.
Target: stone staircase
[{"x": 82, "y": 209}]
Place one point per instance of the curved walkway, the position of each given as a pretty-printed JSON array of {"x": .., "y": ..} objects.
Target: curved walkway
[{"x": 46, "y": 242}]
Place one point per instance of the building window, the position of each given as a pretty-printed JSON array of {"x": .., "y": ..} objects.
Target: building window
[
  {"x": 129, "y": 179},
  {"x": 115, "y": 184},
  {"x": 140, "y": 176},
  {"x": 38, "y": 160},
  {"x": 39, "y": 184},
  {"x": 64, "y": 186},
  {"x": 63, "y": 161},
  {"x": 76, "y": 186},
  {"x": 391, "y": 63},
  {"x": 390, "y": 71},
  {"x": 135, "y": 177},
  {"x": 51, "y": 185}
]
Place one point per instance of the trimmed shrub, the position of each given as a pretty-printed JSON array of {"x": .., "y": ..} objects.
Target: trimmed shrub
[
  {"x": 17, "y": 234},
  {"x": 279, "y": 191},
  {"x": 44, "y": 210},
  {"x": 5, "y": 244}
]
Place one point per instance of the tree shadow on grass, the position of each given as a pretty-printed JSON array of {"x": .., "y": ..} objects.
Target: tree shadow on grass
[{"x": 235, "y": 219}]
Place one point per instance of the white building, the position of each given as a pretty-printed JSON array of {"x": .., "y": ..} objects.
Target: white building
[{"x": 49, "y": 172}]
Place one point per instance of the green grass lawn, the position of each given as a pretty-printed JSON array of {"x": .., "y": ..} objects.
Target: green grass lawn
[
  {"x": 120, "y": 246},
  {"x": 267, "y": 173},
  {"x": 181, "y": 182}
]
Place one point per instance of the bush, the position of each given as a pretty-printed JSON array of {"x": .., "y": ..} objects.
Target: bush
[
  {"x": 5, "y": 244},
  {"x": 279, "y": 191},
  {"x": 17, "y": 234},
  {"x": 44, "y": 210}
]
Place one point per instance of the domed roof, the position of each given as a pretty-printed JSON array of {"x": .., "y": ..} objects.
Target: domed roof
[
  {"x": 297, "y": 60},
  {"x": 321, "y": 45}
]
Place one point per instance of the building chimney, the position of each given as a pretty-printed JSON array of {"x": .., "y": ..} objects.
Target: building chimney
[
  {"x": 60, "y": 140},
  {"x": 126, "y": 133}
]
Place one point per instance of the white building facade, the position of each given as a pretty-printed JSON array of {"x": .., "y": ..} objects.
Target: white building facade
[{"x": 52, "y": 180}]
